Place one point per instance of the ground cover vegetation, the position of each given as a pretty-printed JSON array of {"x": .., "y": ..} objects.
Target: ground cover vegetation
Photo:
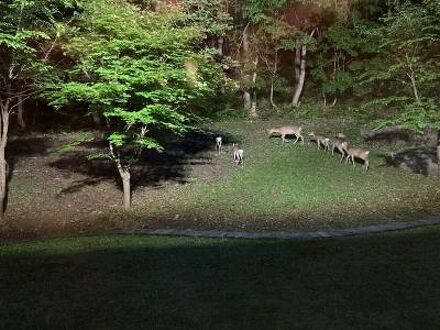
[{"x": 140, "y": 77}]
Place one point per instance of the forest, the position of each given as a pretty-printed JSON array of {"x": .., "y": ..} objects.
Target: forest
[
  {"x": 129, "y": 77},
  {"x": 223, "y": 164}
]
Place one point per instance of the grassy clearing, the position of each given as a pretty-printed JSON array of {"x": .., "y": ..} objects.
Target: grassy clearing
[
  {"x": 293, "y": 187},
  {"x": 386, "y": 281},
  {"x": 282, "y": 187}
]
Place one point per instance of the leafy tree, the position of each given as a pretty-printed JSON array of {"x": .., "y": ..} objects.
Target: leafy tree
[
  {"x": 407, "y": 65},
  {"x": 25, "y": 29},
  {"x": 139, "y": 69}
]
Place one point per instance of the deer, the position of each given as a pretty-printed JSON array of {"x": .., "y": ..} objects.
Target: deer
[
  {"x": 320, "y": 140},
  {"x": 353, "y": 153},
  {"x": 337, "y": 144},
  {"x": 237, "y": 154},
  {"x": 218, "y": 144},
  {"x": 287, "y": 130}
]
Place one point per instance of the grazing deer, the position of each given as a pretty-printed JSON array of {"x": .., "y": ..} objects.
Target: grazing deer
[
  {"x": 237, "y": 154},
  {"x": 218, "y": 144},
  {"x": 353, "y": 153},
  {"x": 287, "y": 130},
  {"x": 337, "y": 144},
  {"x": 320, "y": 140}
]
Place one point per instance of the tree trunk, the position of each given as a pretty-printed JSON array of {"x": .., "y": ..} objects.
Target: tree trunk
[
  {"x": 247, "y": 100},
  {"x": 302, "y": 76},
  {"x": 253, "y": 110},
  {"x": 272, "y": 81},
  {"x": 20, "y": 121},
  {"x": 297, "y": 64},
  {"x": 246, "y": 47},
  {"x": 4, "y": 112},
  {"x": 97, "y": 119},
  {"x": 220, "y": 42},
  {"x": 124, "y": 172},
  {"x": 126, "y": 188}
]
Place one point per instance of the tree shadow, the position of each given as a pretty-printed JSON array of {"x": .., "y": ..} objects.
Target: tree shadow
[
  {"x": 154, "y": 168},
  {"x": 23, "y": 147}
]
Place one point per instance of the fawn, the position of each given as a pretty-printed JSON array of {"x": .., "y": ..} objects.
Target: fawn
[
  {"x": 218, "y": 144},
  {"x": 288, "y": 130},
  {"x": 237, "y": 154},
  {"x": 320, "y": 140}
]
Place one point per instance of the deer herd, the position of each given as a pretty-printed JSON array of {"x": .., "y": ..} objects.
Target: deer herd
[{"x": 338, "y": 143}]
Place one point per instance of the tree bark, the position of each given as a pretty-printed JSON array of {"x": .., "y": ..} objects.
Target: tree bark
[
  {"x": 253, "y": 110},
  {"x": 302, "y": 76},
  {"x": 124, "y": 172},
  {"x": 272, "y": 81},
  {"x": 412, "y": 78},
  {"x": 246, "y": 46},
  {"x": 300, "y": 54},
  {"x": 126, "y": 189},
  {"x": 20, "y": 121},
  {"x": 4, "y": 112},
  {"x": 297, "y": 64},
  {"x": 220, "y": 42}
]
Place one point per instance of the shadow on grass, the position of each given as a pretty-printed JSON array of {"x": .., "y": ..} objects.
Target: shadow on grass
[
  {"x": 383, "y": 281},
  {"x": 153, "y": 169}
]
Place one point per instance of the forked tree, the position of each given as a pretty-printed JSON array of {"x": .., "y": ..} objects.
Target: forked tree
[{"x": 139, "y": 69}]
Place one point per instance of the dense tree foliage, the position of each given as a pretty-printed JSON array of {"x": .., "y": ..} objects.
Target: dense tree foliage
[
  {"x": 147, "y": 66},
  {"x": 139, "y": 70},
  {"x": 27, "y": 39}
]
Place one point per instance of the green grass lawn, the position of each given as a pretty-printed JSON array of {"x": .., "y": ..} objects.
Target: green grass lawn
[
  {"x": 292, "y": 187},
  {"x": 384, "y": 281}
]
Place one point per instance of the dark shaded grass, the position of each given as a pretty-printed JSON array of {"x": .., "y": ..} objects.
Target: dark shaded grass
[{"x": 385, "y": 281}]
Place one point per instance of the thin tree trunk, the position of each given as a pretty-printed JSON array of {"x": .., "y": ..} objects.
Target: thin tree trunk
[
  {"x": 220, "y": 42},
  {"x": 302, "y": 71},
  {"x": 297, "y": 63},
  {"x": 412, "y": 77},
  {"x": 253, "y": 110},
  {"x": 246, "y": 46},
  {"x": 302, "y": 76},
  {"x": 272, "y": 81},
  {"x": 126, "y": 189},
  {"x": 4, "y": 112},
  {"x": 20, "y": 121},
  {"x": 124, "y": 172},
  {"x": 96, "y": 119}
]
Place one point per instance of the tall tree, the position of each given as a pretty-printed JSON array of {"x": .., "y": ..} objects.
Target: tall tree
[
  {"x": 139, "y": 69},
  {"x": 25, "y": 29}
]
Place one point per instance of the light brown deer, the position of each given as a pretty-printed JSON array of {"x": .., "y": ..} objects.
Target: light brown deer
[
  {"x": 237, "y": 154},
  {"x": 287, "y": 130},
  {"x": 353, "y": 153},
  {"x": 337, "y": 144},
  {"x": 320, "y": 140}
]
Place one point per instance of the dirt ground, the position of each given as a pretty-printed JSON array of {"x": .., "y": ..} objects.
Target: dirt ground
[{"x": 52, "y": 194}]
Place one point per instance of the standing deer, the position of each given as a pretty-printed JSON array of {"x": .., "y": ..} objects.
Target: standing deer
[
  {"x": 337, "y": 144},
  {"x": 320, "y": 140},
  {"x": 237, "y": 154},
  {"x": 287, "y": 130},
  {"x": 218, "y": 144},
  {"x": 353, "y": 153}
]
